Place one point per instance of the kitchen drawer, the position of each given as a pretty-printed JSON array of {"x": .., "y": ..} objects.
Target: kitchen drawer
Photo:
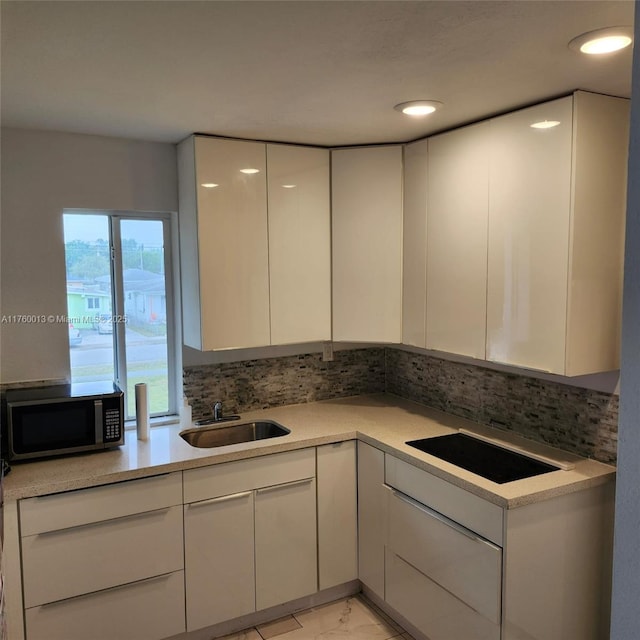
[
  {"x": 146, "y": 610},
  {"x": 66, "y": 563},
  {"x": 433, "y": 610},
  {"x": 457, "y": 504},
  {"x": 74, "y": 508},
  {"x": 453, "y": 557},
  {"x": 245, "y": 475}
]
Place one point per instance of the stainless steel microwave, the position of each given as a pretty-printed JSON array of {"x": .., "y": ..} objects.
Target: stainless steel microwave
[{"x": 63, "y": 419}]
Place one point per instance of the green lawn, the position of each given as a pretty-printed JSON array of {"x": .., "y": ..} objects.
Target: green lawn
[{"x": 156, "y": 380}]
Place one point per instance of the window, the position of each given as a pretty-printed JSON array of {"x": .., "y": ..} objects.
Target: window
[{"x": 119, "y": 301}]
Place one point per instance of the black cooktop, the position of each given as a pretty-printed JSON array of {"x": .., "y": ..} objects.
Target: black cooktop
[{"x": 482, "y": 458}]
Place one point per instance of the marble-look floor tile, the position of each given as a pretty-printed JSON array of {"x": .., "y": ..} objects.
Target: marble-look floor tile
[
  {"x": 278, "y": 627},
  {"x": 349, "y": 618},
  {"x": 247, "y": 634}
]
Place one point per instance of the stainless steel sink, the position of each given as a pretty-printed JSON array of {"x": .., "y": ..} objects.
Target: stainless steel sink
[{"x": 217, "y": 436}]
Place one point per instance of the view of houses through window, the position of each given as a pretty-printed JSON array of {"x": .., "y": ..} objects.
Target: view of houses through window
[{"x": 117, "y": 286}]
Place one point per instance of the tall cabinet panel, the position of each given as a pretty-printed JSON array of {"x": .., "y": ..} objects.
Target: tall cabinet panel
[
  {"x": 414, "y": 243},
  {"x": 367, "y": 244},
  {"x": 556, "y": 225},
  {"x": 457, "y": 204},
  {"x": 226, "y": 227},
  {"x": 299, "y": 243},
  {"x": 530, "y": 191}
]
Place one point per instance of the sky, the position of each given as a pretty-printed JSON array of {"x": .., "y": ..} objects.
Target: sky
[{"x": 89, "y": 227}]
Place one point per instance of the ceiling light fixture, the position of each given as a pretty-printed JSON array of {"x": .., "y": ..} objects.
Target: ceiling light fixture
[
  {"x": 418, "y": 108},
  {"x": 249, "y": 170},
  {"x": 602, "y": 41},
  {"x": 209, "y": 185},
  {"x": 545, "y": 124},
  {"x": 288, "y": 186}
]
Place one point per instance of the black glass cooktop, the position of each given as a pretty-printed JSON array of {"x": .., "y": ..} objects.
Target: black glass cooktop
[{"x": 482, "y": 458}]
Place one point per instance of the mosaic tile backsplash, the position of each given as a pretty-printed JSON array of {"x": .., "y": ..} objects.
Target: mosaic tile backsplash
[
  {"x": 577, "y": 420},
  {"x": 272, "y": 382}
]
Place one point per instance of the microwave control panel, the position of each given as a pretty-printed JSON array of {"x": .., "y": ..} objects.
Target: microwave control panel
[{"x": 113, "y": 420}]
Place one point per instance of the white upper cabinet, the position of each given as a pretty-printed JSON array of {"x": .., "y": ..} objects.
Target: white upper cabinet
[
  {"x": 457, "y": 218},
  {"x": 367, "y": 244},
  {"x": 414, "y": 243},
  {"x": 556, "y": 225},
  {"x": 223, "y": 243},
  {"x": 256, "y": 257},
  {"x": 299, "y": 243}
]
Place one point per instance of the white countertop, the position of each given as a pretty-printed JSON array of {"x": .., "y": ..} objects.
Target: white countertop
[{"x": 382, "y": 420}]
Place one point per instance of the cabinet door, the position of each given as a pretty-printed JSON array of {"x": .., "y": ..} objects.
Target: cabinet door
[
  {"x": 219, "y": 559},
  {"x": 458, "y": 202},
  {"x": 529, "y": 218},
  {"x": 337, "y": 514},
  {"x": 286, "y": 549},
  {"x": 299, "y": 244},
  {"x": 372, "y": 517},
  {"x": 232, "y": 243},
  {"x": 414, "y": 240},
  {"x": 367, "y": 244}
]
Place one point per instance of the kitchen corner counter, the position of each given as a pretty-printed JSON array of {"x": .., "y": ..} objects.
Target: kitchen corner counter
[{"x": 383, "y": 421}]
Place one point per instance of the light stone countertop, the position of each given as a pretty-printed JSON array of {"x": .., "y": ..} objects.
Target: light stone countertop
[{"x": 382, "y": 420}]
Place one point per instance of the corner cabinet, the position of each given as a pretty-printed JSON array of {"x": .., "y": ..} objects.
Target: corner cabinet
[
  {"x": 255, "y": 252},
  {"x": 366, "y": 201},
  {"x": 556, "y": 231}
]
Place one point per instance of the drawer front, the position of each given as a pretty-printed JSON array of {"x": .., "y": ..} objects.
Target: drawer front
[
  {"x": 63, "y": 564},
  {"x": 456, "y": 559},
  {"x": 147, "y": 610},
  {"x": 461, "y": 506},
  {"x": 434, "y": 611},
  {"x": 245, "y": 475},
  {"x": 74, "y": 508}
]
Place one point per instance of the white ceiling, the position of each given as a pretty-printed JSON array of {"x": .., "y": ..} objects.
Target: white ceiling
[{"x": 326, "y": 73}]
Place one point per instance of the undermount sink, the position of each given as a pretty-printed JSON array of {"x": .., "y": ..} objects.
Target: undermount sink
[
  {"x": 485, "y": 459},
  {"x": 217, "y": 436}
]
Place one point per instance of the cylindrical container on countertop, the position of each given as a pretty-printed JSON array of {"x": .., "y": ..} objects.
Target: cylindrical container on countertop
[{"x": 142, "y": 411}]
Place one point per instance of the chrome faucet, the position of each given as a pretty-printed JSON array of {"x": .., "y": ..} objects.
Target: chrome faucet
[{"x": 216, "y": 409}]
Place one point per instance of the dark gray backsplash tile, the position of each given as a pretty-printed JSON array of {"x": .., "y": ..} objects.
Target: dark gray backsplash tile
[
  {"x": 577, "y": 420},
  {"x": 271, "y": 382}
]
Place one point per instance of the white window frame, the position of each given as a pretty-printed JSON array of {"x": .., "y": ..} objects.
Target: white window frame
[{"x": 117, "y": 304}]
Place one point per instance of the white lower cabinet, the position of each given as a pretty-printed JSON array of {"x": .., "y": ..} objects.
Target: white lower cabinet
[
  {"x": 337, "y": 514},
  {"x": 286, "y": 548},
  {"x": 250, "y": 535},
  {"x": 143, "y": 610},
  {"x": 458, "y": 567},
  {"x": 372, "y": 517},
  {"x": 96, "y": 564},
  {"x": 219, "y": 559}
]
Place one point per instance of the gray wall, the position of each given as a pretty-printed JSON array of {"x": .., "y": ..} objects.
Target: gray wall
[
  {"x": 43, "y": 173},
  {"x": 625, "y": 623}
]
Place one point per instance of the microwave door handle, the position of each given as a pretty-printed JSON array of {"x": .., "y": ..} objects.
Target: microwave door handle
[{"x": 99, "y": 422}]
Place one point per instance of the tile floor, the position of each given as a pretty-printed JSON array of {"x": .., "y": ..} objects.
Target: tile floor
[{"x": 352, "y": 619}]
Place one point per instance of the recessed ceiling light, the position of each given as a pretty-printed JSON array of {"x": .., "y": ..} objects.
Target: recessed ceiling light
[
  {"x": 602, "y": 40},
  {"x": 545, "y": 124},
  {"x": 249, "y": 170},
  {"x": 288, "y": 186},
  {"x": 418, "y": 108},
  {"x": 209, "y": 185}
]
